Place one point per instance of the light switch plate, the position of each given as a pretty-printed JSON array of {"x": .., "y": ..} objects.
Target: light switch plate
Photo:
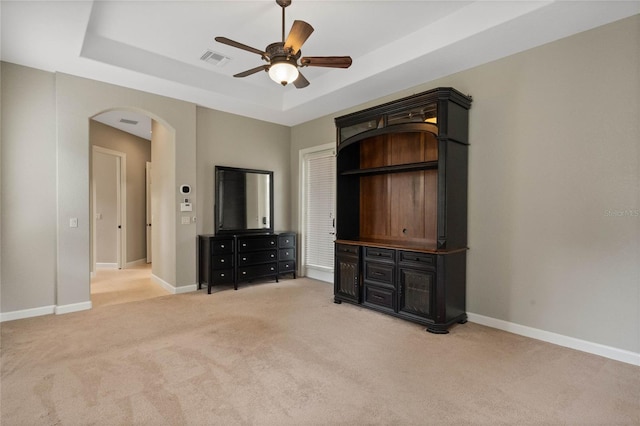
[
  {"x": 186, "y": 220},
  {"x": 73, "y": 222}
]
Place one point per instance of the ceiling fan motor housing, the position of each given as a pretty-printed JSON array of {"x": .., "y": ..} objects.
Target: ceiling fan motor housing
[{"x": 283, "y": 3}]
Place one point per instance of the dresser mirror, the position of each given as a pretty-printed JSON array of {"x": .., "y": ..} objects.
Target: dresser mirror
[{"x": 243, "y": 201}]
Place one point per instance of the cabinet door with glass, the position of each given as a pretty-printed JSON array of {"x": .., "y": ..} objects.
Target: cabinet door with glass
[
  {"x": 347, "y": 274},
  {"x": 416, "y": 292}
]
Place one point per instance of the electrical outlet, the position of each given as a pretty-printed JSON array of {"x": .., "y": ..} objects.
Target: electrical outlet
[{"x": 73, "y": 222}]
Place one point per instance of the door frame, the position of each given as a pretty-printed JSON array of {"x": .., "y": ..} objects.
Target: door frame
[
  {"x": 121, "y": 206},
  {"x": 148, "y": 211},
  {"x": 303, "y": 154}
]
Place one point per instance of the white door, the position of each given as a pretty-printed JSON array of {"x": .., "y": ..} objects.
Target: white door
[
  {"x": 109, "y": 205},
  {"x": 318, "y": 175},
  {"x": 149, "y": 215}
]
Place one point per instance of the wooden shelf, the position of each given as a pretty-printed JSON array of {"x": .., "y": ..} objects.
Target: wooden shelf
[{"x": 428, "y": 165}]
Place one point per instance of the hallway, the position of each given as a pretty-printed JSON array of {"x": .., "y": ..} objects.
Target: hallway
[{"x": 116, "y": 286}]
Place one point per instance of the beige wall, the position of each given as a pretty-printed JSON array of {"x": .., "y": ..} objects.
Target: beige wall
[
  {"x": 28, "y": 244},
  {"x": 138, "y": 152},
  {"x": 163, "y": 207},
  {"x": 231, "y": 140},
  {"x": 554, "y": 137}
]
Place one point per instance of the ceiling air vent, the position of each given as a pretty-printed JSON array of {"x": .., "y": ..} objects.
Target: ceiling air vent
[
  {"x": 125, "y": 121},
  {"x": 214, "y": 58}
]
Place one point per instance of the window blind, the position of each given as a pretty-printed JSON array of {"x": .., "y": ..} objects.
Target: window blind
[{"x": 320, "y": 182}]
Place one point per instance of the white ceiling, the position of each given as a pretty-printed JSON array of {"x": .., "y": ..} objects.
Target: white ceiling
[{"x": 155, "y": 46}]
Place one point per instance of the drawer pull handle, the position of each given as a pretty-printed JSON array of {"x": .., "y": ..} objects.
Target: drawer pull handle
[
  {"x": 375, "y": 296},
  {"x": 221, "y": 245},
  {"x": 272, "y": 242},
  {"x": 272, "y": 268},
  {"x": 272, "y": 256},
  {"x": 244, "y": 244},
  {"x": 244, "y": 272},
  {"x": 222, "y": 275},
  {"x": 244, "y": 258},
  {"x": 378, "y": 274},
  {"x": 221, "y": 260}
]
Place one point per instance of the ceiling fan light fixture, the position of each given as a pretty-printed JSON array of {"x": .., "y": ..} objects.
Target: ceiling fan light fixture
[{"x": 283, "y": 72}]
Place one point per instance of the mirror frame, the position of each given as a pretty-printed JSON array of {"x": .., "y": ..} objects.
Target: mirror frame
[{"x": 218, "y": 195}]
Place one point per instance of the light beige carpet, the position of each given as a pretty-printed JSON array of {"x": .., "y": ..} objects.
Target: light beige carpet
[
  {"x": 284, "y": 353},
  {"x": 114, "y": 286}
]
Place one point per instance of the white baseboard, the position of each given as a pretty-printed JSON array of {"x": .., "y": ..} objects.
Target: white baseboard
[
  {"x": 27, "y": 313},
  {"x": 106, "y": 266},
  {"x": 171, "y": 289},
  {"x": 558, "y": 339},
  {"x": 44, "y": 310},
  {"x": 316, "y": 274},
  {"x": 142, "y": 261},
  {"x": 186, "y": 288},
  {"x": 74, "y": 307}
]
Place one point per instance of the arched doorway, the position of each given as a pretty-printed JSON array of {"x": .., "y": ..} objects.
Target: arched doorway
[{"x": 121, "y": 197}]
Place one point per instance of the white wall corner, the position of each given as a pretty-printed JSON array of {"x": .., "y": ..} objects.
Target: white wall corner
[
  {"x": 162, "y": 283},
  {"x": 74, "y": 307},
  {"x": 27, "y": 313},
  {"x": 610, "y": 352}
]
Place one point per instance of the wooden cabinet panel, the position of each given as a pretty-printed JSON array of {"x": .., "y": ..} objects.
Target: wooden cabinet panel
[
  {"x": 374, "y": 152},
  {"x": 374, "y": 206},
  {"x": 408, "y": 201},
  {"x": 407, "y": 148}
]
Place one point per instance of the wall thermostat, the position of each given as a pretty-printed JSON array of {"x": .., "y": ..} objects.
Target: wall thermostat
[{"x": 185, "y": 189}]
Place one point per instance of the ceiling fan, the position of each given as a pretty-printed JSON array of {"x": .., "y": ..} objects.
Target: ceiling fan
[{"x": 282, "y": 56}]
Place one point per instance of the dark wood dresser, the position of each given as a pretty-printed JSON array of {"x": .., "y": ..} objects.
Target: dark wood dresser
[{"x": 233, "y": 259}]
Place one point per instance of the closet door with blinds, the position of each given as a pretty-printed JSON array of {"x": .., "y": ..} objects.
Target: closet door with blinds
[{"x": 319, "y": 210}]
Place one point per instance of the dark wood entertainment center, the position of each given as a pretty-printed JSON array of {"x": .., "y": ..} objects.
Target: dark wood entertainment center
[{"x": 401, "y": 208}]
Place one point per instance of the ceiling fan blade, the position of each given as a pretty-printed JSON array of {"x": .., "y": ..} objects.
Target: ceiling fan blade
[
  {"x": 300, "y": 32},
  {"x": 252, "y": 71},
  {"x": 232, "y": 43},
  {"x": 326, "y": 61},
  {"x": 301, "y": 82}
]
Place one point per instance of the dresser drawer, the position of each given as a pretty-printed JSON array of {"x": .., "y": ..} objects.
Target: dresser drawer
[
  {"x": 251, "y": 258},
  {"x": 257, "y": 271},
  {"x": 414, "y": 258},
  {"x": 222, "y": 246},
  {"x": 379, "y": 272},
  {"x": 222, "y": 261},
  {"x": 379, "y": 254},
  {"x": 347, "y": 249},
  {"x": 286, "y": 241},
  {"x": 379, "y": 296},
  {"x": 222, "y": 276},
  {"x": 250, "y": 244},
  {"x": 287, "y": 266},
  {"x": 287, "y": 254}
]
